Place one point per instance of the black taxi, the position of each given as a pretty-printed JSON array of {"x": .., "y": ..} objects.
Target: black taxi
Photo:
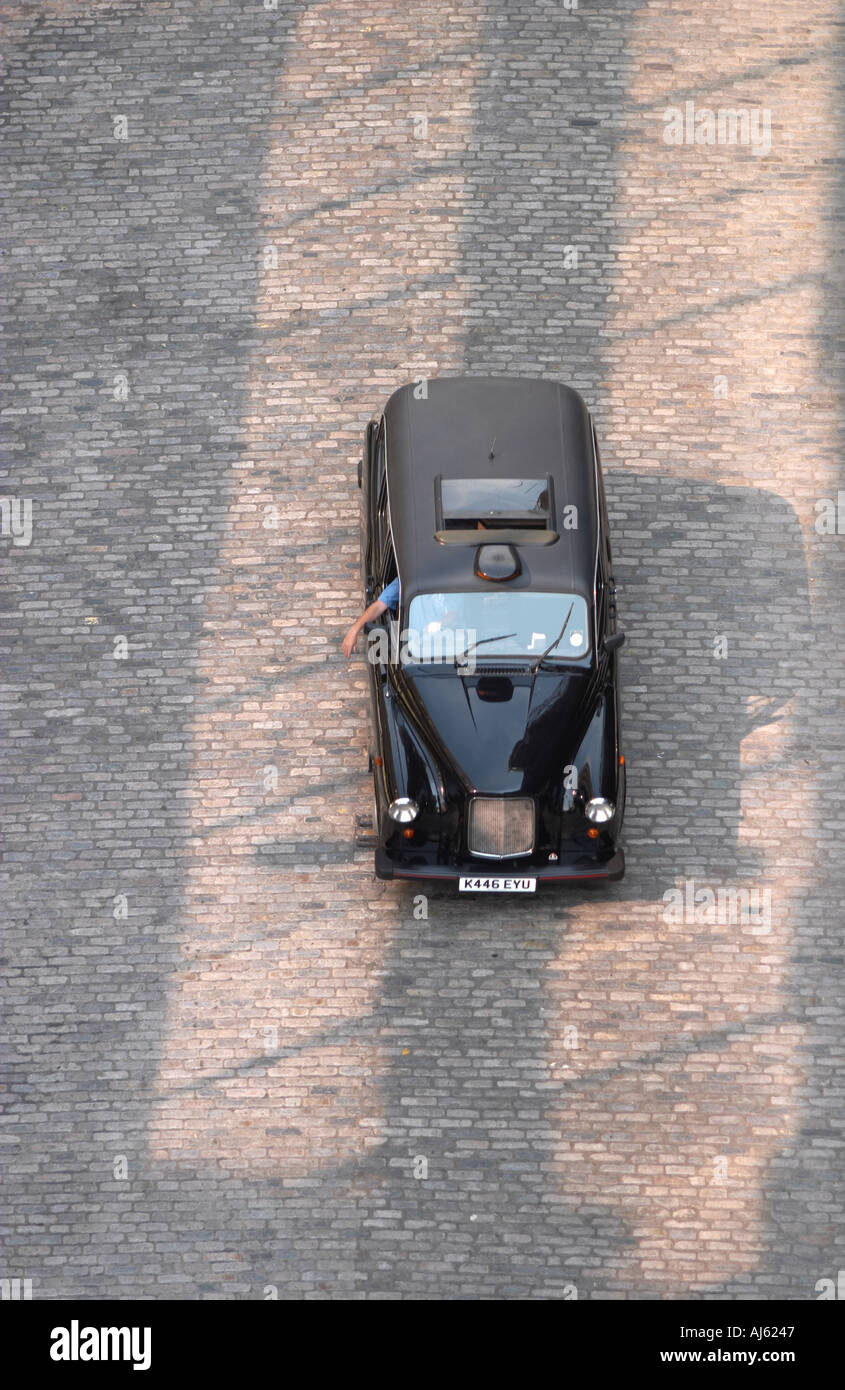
[{"x": 494, "y": 738}]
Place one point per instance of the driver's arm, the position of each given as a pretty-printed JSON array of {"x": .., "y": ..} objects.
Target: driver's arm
[{"x": 368, "y": 616}]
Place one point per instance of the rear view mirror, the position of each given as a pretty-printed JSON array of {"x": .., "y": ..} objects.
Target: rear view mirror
[{"x": 612, "y": 644}]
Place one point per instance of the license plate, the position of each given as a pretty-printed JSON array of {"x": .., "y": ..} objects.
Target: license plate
[{"x": 497, "y": 885}]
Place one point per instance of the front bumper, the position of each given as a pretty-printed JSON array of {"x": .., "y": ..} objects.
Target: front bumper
[{"x": 583, "y": 868}]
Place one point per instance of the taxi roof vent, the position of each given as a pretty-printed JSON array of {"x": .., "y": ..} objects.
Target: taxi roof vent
[{"x": 497, "y": 562}]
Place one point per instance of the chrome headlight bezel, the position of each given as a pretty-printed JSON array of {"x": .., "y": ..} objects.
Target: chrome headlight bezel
[
  {"x": 403, "y": 810},
  {"x": 600, "y": 811}
]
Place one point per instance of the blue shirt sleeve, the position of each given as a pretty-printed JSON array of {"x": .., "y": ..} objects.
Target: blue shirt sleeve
[{"x": 390, "y": 595}]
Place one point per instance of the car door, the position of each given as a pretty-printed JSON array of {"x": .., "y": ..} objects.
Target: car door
[
  {"x": 605, "y": 585},
  {"x": 375, "y": 511}
]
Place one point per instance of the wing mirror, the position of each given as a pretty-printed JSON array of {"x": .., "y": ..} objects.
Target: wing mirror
[{"x": 612, "y": 644}]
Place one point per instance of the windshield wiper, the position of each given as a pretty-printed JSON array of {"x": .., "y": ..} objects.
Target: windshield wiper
[
  {"x": 503, "y": 636},
  {"x": 552, "y": 646},
  {"x": 538, "y": 663}
]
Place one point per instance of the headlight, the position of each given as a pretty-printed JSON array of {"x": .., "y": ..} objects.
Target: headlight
[
  {"x": 599, "y": 811},
  {"x": 403, "y": 809}
]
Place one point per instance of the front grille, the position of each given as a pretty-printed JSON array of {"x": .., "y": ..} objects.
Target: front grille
[{"x": 501, "y": 827}]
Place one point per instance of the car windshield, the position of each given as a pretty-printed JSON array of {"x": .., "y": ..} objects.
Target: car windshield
[{"x": 442, "y": 627}]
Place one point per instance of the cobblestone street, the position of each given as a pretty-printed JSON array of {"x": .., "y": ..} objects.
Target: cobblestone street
[{"x": 234, "y": 228}]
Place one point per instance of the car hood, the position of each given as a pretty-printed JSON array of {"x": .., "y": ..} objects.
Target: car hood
[{"x": 499, "y": 734}]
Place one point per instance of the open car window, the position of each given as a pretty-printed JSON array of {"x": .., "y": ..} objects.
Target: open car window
[
  {"x": 513, "y": 624},
  {"x": 522, "y": 508},
  {"x": 499, "y": 501}
]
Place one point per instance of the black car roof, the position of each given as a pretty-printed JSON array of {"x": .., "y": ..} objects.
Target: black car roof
[{"x": 539, "y": 427}]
